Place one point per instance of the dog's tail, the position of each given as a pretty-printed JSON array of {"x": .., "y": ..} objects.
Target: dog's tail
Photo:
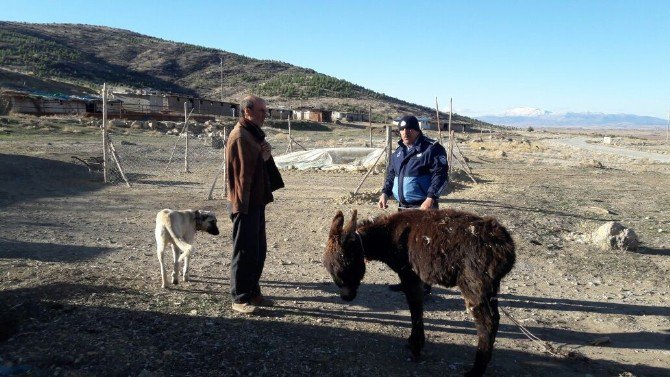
[
  {"x": 183, "y": 246},
  {"x": 180, "y": 243}
]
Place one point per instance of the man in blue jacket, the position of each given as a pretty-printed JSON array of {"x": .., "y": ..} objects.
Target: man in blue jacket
[{"x": 417, "y": 174}]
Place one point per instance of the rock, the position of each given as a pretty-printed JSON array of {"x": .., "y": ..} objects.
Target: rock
[
  {"x": 118, "y": 123},
  {"x": 601, "y": 341},
  {"x": 614, "y": 236},
  {"x": 157, "y": 126}
]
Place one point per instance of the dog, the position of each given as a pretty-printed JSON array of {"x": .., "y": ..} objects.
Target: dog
[{"x": 178, "y": 229}]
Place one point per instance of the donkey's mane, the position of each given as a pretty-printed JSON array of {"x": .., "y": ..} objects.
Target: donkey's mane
[{"x": 370, "y": 221}]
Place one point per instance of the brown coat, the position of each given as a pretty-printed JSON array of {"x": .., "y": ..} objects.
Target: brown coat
[{"x": 248, "y": 182}]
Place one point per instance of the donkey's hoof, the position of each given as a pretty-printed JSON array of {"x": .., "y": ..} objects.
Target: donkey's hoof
[
  {"x": 414, "y": 356},
  {"x": 473, "y": 373}
]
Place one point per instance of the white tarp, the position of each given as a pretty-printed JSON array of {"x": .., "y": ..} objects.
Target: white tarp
[{"x": 331, "y": 159}]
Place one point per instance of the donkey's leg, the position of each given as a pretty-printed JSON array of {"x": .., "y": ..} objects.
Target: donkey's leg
[
  {"x": 413, "y": 288},
  {"x": 485, "y": 311}
]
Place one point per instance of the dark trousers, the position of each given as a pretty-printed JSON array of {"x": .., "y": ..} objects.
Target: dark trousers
[{"x": 249, "y": 250}]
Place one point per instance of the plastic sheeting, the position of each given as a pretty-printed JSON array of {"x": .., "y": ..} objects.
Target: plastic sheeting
[{"x": 332, "y": 159}]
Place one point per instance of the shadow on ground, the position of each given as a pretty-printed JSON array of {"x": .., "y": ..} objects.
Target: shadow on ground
[
  {"x": 89, "y": 339},
  {"x": 49, "y": 252},
  {"x": 26, "y": 178}
]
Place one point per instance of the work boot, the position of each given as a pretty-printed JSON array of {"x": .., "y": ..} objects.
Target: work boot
[{"x": 243, "y": 307}]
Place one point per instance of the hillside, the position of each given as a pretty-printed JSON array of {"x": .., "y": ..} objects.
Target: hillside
[{"x": 62, "y": 56}]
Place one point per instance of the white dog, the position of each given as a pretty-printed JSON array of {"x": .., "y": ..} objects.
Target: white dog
[{"x": 178, "y": 228}]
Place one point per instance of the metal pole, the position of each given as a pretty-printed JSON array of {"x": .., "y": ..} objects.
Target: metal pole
[
  {"x": 104, "y": 131},
  {"x": 186, "y": 135}
]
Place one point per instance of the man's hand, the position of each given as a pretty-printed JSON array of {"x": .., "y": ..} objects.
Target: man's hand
[
  {"x": 266, "y": 150},
  {"x": 428, "y": 203},
  {"x": 382, "y": 202}
]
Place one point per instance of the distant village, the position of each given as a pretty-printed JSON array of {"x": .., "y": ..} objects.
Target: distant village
[{"x": 152, "y": 105}]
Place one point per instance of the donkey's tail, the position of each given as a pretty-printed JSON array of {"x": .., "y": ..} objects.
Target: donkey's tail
[{"x": 504, "y": 250}]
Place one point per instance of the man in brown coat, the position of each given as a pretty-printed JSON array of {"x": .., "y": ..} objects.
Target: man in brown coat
[{"x": 249, "y": 191}]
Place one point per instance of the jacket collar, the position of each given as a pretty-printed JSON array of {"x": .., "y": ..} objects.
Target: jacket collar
[
  {"x": 419, "y": 144},
  {"x": 253, "y": 129}
]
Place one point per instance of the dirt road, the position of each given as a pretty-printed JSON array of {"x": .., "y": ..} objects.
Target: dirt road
[
  {"x": 80, "y": 287},
  {"x": 589, "y": 145}
]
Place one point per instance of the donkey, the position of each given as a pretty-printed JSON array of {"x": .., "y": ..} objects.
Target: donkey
[{"x": 446, "y": 247}]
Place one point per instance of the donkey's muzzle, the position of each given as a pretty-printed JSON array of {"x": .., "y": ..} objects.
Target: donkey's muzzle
[{"x": 348, "y": 294}]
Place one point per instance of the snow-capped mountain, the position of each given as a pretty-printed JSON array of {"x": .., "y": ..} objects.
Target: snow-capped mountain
[
  {"x": 525, "y": 112},
  {"x": 529, "y": 116}
]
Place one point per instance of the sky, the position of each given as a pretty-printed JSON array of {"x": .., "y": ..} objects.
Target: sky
[{"x": 606, "y": 56}]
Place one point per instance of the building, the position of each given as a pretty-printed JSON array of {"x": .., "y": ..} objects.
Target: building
[
  {"x": 314, "y": 115},
  {"x": 173, "y": 104},
  {"x": 350, "y": 117},
  {"x": 35, "y": 103},
  {"x": 280, "y": 113}
]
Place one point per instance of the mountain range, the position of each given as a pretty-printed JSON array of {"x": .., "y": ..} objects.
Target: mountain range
[
  {"x": 528, "y": 116},
  {"x": 76, "y": 59}
]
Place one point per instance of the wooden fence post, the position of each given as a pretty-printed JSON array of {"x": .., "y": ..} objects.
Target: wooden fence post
[
  {"x": 439, "y": 127},
  {"x": 104, "y": 131},
  {"x": 370, "y": 124}
]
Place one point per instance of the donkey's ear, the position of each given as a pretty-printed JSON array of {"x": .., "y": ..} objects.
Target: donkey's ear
[
  {"x": 336, "y": 227},
  {"x": 351, "y": 226}
]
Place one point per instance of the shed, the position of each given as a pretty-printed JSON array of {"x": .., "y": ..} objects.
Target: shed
[{"x": 315, "y": 115}]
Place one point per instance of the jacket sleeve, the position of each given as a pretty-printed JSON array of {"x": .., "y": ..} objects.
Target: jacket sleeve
[
  {"x": 247, "y": 157},
  {"x": 390, "y": 176},
  {"x": 439, "y": 170}
]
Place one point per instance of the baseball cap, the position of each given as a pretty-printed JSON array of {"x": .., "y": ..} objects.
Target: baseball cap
[{"x": 409, "y": 121}]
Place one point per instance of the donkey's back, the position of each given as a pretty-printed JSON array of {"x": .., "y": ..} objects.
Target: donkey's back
[{"x": 447, "y": 246}]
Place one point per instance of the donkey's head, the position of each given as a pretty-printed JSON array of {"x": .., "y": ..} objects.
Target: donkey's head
[{"x": 344, "y": 257}]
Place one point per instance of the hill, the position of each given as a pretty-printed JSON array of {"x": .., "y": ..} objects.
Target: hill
[{"x": 62, "y": 56}]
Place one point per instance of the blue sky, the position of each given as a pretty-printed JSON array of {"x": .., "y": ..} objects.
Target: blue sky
[{"x": 489, "y": 56}]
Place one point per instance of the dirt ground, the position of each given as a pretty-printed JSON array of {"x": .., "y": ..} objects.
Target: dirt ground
[{"x": 80, "y": 287}]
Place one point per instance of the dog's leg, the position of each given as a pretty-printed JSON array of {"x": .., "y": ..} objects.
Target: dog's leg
[
  {"x": 187, "y": 259},
  {"x": 160, "y": 248},
  {"x": 175, "y": 263}
]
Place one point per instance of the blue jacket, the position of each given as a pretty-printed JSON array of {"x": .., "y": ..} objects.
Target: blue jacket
[{"x": 418, "y": 172}]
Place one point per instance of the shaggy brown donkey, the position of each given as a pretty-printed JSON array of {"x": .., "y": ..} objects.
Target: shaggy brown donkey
[{"x": 445, "y": 247}]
